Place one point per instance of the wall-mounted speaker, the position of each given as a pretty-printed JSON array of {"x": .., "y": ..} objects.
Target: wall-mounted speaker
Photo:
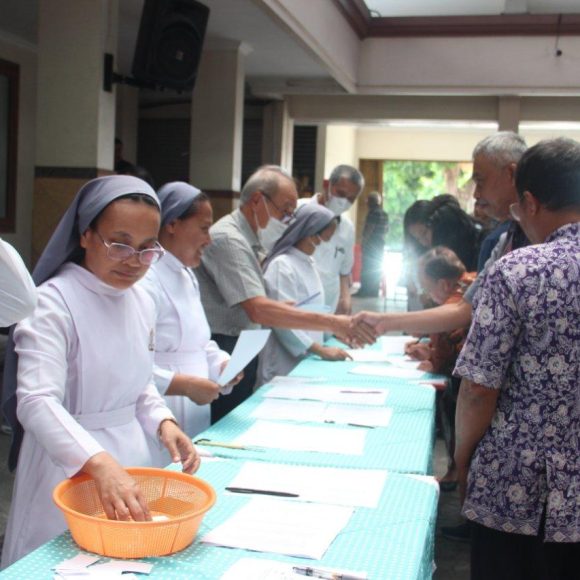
[{"x": 170, "y": 43}]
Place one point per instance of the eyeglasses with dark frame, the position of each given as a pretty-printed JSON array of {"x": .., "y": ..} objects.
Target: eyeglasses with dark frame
[
  {"x": 289, "y": 215},
  {"x": 123, "y": 252}
]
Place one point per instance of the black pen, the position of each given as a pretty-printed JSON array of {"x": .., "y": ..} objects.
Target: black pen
[{"x": 261, "y": 491}]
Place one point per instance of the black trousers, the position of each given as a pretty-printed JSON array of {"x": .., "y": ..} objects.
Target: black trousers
[
  {"x": 224, "y": 404},
  {"x": 499, "y": 555}
]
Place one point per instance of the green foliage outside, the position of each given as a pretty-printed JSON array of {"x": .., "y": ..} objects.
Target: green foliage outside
[{"x": 404, "y": 182}]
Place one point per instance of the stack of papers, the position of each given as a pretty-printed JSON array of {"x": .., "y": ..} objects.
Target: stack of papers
[
  {"x": 303, "y": 438},
  {"x": 304, "y": 530},
  {"x": 322, "y": 412},
  {"x": 332, "y": 485},
  {"x": 394, "y": 344},
  {"x": 331, "y": 394},
  {"x": 85, "y": 566}
]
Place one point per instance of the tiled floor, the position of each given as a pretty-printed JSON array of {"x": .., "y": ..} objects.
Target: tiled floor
[{"x": 452, "y": 558}]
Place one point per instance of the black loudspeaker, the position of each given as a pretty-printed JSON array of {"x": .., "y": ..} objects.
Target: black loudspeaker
[{"x": 170, "y": 42}]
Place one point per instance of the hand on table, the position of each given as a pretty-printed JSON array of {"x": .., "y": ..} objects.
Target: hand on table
[
  {"x": 418, "y": 350},
  {"x": 330, "y": 352},
  {"x": 179, "y": 445},
  {"x": 120, "y": 495}
]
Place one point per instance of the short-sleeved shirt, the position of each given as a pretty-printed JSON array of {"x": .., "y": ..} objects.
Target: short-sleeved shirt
[
  {"x": 334, "y": 258},
  {"x": 229, "y": 274},
  {"x": 525, "y": 341}
]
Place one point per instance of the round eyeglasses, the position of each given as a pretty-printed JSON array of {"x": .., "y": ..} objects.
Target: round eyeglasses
[
  {"x": 287, "y": 215},
  {"x": 123, "y": 252}
]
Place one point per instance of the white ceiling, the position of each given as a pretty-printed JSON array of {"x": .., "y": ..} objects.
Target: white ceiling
[{"x": 390, "y": 8}]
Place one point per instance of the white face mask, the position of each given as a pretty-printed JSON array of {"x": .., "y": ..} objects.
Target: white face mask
[
  {"x": 338, "y": 205},
  {"x": 273, "y": 231}
]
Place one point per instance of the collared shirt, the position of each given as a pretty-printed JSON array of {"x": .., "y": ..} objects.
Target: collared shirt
[
  {"x": 334, "y": 258},
  {"x": 230, "y": 273},
  {"x": 525, "y": 341},
  {"x": 510, "y": 240}
]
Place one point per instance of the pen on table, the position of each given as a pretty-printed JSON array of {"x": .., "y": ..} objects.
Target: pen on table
[
  {"x": 351, "y": 424},
  {"x": 261, "y": 491},
  {"x": 361, "y": 392},
  {"x": 326, "y": 574},
  {"x": 307, "y": 300},
  {"x": 220, "y": 444}
]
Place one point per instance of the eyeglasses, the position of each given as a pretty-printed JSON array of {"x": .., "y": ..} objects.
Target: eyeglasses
[
  {"x": 123, "y": 252},
  {"x": 516, "y": 211},
  {"x": 288, "y": 215}
]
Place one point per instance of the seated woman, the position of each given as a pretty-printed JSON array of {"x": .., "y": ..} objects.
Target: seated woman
[
  {"x": 85, "y": 361},
  {"x": 290, "y": 274},
  {"x": 443, "y": 277},
  {"x": 187, "y": 362}
]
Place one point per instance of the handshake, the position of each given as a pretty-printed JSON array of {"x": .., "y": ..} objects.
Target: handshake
[{"x": 361, "y": 329}]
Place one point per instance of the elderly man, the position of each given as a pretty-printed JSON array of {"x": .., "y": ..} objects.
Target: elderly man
[
  {"x": 335, "y": 259},
  {"x": 518, "y": 414},
  {"x": 231, "y": 282},
  {"x": 494, "y": 164}
]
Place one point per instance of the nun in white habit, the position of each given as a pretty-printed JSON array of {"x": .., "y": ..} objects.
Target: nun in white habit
[
  {"x": 290, "y": 274},
  {"x": 187, "y": 362},
  {"x": 86, "y": 399}
]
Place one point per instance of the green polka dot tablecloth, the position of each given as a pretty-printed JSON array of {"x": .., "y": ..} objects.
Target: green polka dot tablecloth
[{"x": 393, "y": 541}]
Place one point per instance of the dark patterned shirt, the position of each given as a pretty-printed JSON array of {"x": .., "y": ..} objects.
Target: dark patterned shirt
[{"x": 525, "y": 341}]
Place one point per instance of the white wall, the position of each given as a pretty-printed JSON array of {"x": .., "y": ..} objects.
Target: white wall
[{"x": 23, "y": 54}]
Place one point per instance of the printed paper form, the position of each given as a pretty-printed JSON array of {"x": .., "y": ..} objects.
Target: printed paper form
[
  {"x": 283, "y": 527},
  {"x": 332, "y": 485},
  {"x": 321, "y": 412},
  {"x": 331, "y": 394},
  {"x": 303, "y": 438},
  {"x": 249, "y": 345}
]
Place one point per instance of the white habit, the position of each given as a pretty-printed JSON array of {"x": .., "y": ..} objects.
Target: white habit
[
  {"x": 290, "y": 276},
  {"x": 334, "y": 258},
  {"x": 183, "y": 342},
  {"x": 84, "y": 386}
]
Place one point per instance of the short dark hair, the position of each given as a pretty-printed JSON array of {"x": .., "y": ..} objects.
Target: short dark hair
[
  {"x": 550, "y": 171},
  {"x": 442, "y": 263}
]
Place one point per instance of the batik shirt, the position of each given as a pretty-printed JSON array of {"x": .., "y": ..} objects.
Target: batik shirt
[{"x": 525, "y": 341}]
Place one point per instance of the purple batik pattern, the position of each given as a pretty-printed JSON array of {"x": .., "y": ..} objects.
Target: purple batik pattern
[{"x": 525, "y": 341}]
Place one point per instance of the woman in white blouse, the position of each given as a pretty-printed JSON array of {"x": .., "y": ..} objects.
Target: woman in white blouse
[
  {"x": 17, "y": 290},
  {"x": 85, "y": 396},
  {"x": 290, "y": 274},
  {"x": 187, "y": 362}
]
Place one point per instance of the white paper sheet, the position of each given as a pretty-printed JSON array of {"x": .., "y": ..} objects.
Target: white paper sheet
[
  {"x": 303, "y": 438},
  {"x": 387, "y": 371},
  {"x": 253, "y": 568},
  {"x": 331, "y": 394},
  {"x": 321, "y": 412},
  {"x": 403, "y": 362},
  {"x": 394, "y": 344},
  {"x": 332, "y": 485},
  {"x": 366, "y": 355},
  {"x": 283, "y": 527},
  {"x": 250, "y": 343}
]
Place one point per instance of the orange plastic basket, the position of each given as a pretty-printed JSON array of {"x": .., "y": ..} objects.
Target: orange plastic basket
[{"x": 182, "y": 498}]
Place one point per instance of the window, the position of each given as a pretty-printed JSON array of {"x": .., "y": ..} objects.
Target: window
[{"x": 9, "y": 74}]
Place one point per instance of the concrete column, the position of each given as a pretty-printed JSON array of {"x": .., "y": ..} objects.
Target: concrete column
[
  {"x": 217, "y": 121},
  {"x": 508, "y": 113},
  {"x": 278, "y": 135},
  {"x": 75, "y": 117}
]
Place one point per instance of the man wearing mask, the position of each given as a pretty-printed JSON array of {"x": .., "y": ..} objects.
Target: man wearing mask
[
  {"x": 335, "y": 259},
  {"x": 231, "y": 281}
]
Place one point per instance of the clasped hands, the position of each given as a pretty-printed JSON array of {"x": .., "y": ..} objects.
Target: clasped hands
[{"x": 354, "y": 331}]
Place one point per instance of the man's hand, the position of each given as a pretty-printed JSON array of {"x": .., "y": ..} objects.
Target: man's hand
[
  {"x": 120, "y": 495},
  {"x": 354, "y": 333},
  {"x": 379, "y": 321},
  {"x": 179, "y": 445}
]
